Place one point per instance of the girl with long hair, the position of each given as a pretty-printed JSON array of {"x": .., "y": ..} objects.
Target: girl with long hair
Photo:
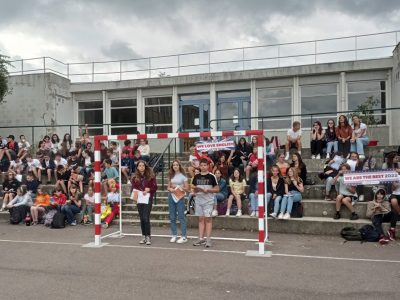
[
  {"x": 344, "y": 133},
  {"x": 237, "y": 184},
  {"x": 294, "y": 189},
  {"x": 317, "y": 140},
  {"x": 331, "y": 138}
]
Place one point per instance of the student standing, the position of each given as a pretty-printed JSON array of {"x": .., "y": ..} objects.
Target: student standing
[
  {"x": 176, "y": 201},
  {"x": 204, "y": 186},
  {"x": 344, "y": 133},
  {"x": 145, "y": 181}
]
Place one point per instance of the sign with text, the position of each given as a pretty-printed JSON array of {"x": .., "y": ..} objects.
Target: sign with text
[
  {"x": 370, "y": 178},
  {"x": 215, "y": 145}
]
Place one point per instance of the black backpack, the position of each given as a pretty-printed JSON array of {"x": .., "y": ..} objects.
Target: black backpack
[
  {"x": 369, "y": 233},
  {"x": 191, "y": 206},
  {"x": 58, "y": 221},
  {"x": 351, "y": 234},
  {"x": 297, "y": 210},
  {"x": 17, "y": 214}
]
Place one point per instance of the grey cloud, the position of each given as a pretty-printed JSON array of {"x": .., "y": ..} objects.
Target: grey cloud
[{"x": 119, "y": 50}]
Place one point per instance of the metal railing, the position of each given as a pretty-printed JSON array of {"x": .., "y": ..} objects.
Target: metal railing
[
  {"x": 357, "y": 47},
  {"x": 311, "y": 116},
  {"x": 40, "y": 130}
]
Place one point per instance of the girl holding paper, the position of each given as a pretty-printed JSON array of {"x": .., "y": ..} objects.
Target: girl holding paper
[
  {"x": 144, "y": 180},
  {"x": 177, "y": 187}
]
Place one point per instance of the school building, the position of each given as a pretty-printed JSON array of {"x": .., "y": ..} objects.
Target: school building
[{"x": 249, "y": 97}]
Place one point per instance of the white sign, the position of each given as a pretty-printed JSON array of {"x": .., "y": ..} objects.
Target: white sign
[
  {"x": 215, "y": 146},
  {"x": 371, "y": 178}
]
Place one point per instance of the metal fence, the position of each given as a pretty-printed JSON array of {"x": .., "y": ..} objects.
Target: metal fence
[{"x": 357, "y": 47}]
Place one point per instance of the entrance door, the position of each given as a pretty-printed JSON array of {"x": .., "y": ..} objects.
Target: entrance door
[
  {"x": 231, "y": 107},
  {"x": 194, "y": 116}
]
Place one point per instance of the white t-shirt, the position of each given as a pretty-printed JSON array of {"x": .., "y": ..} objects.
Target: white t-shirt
[
  {"x": 396, "y": 188},
  {"x": 35, "y": 163},
  {"x": 338, "y": 160},
  {"x": 113, "y": 197},
  {"x": 178, "y": 179},
  {"x": 88, "y": 161},
  {"x": 62, "y": 162},
  {"x": 89, "y": 199},
  {"x": 24, "y": 146},
  {"x": 358, "y": 131},
  {"x": 352, "y": 164},
  {"x": 294, "y": 135}
]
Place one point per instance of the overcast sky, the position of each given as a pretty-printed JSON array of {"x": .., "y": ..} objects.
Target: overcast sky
[{"x": 75, "y": 31}]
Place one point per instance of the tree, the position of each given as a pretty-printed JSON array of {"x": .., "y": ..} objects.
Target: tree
[{"x": 4, "y": 88}]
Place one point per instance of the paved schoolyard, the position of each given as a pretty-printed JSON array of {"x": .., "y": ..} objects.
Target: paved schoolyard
[{"x": 41, "y": 263}]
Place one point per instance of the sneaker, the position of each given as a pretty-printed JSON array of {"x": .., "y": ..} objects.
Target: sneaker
[
  {"x": 384, "y": 240},
  {"x": 256, "y": 214},
  {"x": 337, "y": 216},
  {"x": 74, "y": 224},
  {"x": 2, "y": 209},
  {"x": 182, "y": 240},
  {"x": 199, "y": 242},
  {"x": 142, "y": 241},
  {"x": 227, "y": 214},
  {"x": 318, "y": 157},
  {"x": 354, "y": 216},
  {"x": 392, "y": 234},
  {"x": 361, "y": 198},
  {"x": 173, "y": 239},
  {"x": 286, "y": 216},
  {"x": 253, "y": 214},
  {"x": 313, "y": 156},
  {"x": 328, "y": 156},
  {"x": 214, "y": 213},
  {"x": 280, "y": 217},
  {"x": 287, "y": 156},
  {"x": 148, "y": 240},
  {"x": 273, "y": 215},
  {"x": 208, "y": 244},
  {"x": 239, "y": 213},
  {"x": 105, "y": 225}
]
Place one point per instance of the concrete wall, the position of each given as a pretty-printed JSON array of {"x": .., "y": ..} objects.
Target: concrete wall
[
  {"x": 395, "y": 91},
  {"x": 37, "y": 99}
]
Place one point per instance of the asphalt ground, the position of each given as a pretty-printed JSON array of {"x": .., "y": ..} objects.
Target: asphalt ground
[{"x": 42, "y": 263}]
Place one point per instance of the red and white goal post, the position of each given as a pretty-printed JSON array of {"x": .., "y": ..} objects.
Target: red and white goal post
[{"x": 262, "y": 218}]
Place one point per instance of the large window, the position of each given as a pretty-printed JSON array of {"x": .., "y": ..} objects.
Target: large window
[
  {"x": 361, "y": 91},
  {"x": 274, "y": 102},
  {"x": 123, "y": 111},
  {"x": 91, "y": 113},
  {"x": 158, "y": 110},
  {"x": 317, "y": 99},
  {"x": 232, "y": 106}
]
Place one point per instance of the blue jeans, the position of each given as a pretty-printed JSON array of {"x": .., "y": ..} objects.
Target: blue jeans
[
  {"x": 219, "y": 197},
  {"x": 358, "y": 145},
  {"x": 180, "y": 209},
  {"x": 330, "y": 145},
  {"x": 70, "y": 211},
  {"x": 253, "y": 202},
  {"x": 277, "y": 202},
  {"x": 288, "y": 200}
]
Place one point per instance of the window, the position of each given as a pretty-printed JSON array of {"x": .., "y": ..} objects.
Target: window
[
  {"x": 274, "y": 102},
  {"x": 123, "y": 111},
  {"x": 91, "y": 113},
  {"x": 359, "y": 92},
  {"x": 317, "y": 99},
  {"x": 158, "y": 110},
  {"x": 231, "y": 107}
]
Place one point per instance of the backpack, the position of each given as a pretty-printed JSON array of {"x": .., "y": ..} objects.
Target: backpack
[
  {"x": 48, "y": 218},
  {"x": 297, "y": 210},
  {"x": 17, "y": 214},
  {"x": 351, "y": 234},
  {"x": 369, "y": 233},
  {"x": 58, "y": 220},
  {"x": 221, "y": 208}
]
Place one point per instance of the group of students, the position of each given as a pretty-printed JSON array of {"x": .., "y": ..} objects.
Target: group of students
[{"x": 344, "y": 137}]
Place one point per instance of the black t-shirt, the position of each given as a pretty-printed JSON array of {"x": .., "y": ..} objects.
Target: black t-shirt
[{"x": 206, "y": 181}]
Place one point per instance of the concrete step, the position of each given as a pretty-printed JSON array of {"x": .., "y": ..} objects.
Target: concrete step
[{"x": 327, "y": 209}]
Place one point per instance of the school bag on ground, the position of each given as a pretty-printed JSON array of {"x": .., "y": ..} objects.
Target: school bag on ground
[
  {"x": 351, "y": 233},
  {"x": 369, "y": 233},
  {"x": 297, "y": 210},
  {"x": 58, "y": 220},
  {"x": 17, "y": 214},
  {"x": 48, "y": 218}
]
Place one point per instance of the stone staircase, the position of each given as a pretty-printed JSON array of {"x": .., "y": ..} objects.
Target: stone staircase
[{"x": 318, "y": 213}]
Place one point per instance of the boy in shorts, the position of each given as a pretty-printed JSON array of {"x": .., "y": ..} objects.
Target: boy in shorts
[
  {"x": 204, "y": 186},
  {"x": 293, "y": 139}
]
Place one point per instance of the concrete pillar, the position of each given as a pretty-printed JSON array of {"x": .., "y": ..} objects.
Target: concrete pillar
[
  {"x": 253, "y": 105},
  {"x": 175, "y": 109},
  {"x": 140, "y": 110},
  {"x": 296, "y": 103},
  {"x": 106, "y": 114},
  {"x": 213, "y": 106},
  {"x": 389, "y": 104},
  {"x": 343, "y": 103}
]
